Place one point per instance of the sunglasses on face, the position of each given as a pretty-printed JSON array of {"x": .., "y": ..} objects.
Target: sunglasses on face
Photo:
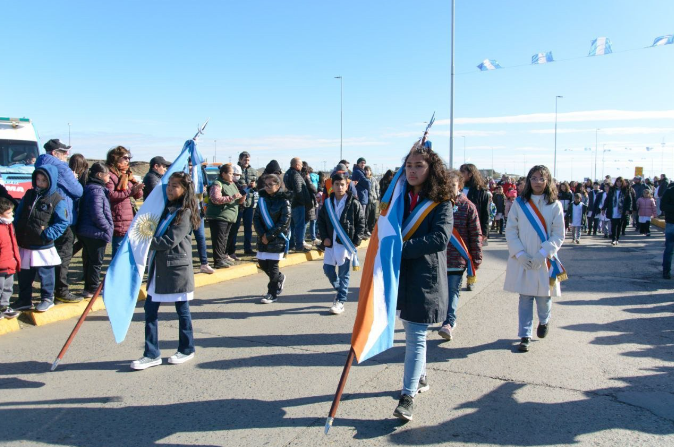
[
  {"x": 126, "y": 158},
  {"x": 269, "y": 185}
]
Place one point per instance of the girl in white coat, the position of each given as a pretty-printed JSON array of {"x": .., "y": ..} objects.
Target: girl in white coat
[{"x": 527, "y": 272}]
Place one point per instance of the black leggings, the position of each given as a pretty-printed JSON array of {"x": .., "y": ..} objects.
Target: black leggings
[
  {"x": 616, "y": 228},
  {"x": 271, "y": 269}
]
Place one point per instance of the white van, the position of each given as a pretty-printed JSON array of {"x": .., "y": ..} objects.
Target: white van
[{"x": 18, "y": 150}]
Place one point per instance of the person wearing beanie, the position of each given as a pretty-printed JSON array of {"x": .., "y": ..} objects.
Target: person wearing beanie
[{"x": 273, "y": 168}]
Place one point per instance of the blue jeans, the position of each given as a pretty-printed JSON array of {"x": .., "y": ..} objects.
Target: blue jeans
[
  {"x": 312, "y": 229},
  {"x": 200, "y": 236},
  {"x": 669, "y": 247},
  {"x": 339, "y": 278},
  {"x": 298, "y": 226},
  {"x": 185, "y": 335},
  {"x": 526, "y": 311},
  {"x": 116, "y": 242},
  {"x": 415, "y": 356},
  {"x": 47, "y": 277},
  {"x": 454, "y": 285}
]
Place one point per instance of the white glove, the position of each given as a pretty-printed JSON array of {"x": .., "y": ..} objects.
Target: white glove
[
  {"x": 525, "y": 261},
  {"x": 538, "y": 261}
]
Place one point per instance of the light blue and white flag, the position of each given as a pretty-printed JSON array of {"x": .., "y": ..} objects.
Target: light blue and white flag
[
  {"x": 600, "y": 45},
  {"x": 542, "y": 58},
  {"x": 663, "y": 40},
  {"x": 125, "y": 274},
  {"x": 489, "y": 64}
]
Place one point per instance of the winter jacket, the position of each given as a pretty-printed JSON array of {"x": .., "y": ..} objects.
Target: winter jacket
[
  {"x": 296, "y": 185},
  {"x": 596, "y": 204},
  {"x": 278, "y": 206},
  {"x": 422, "y": 288},
  {"x": 647, "y": 207},
  {"x": 624, "y": 203},
  {"x": 248, "y": 175},
  {"x": 95, "y": 219},
  {"x": 591, "y": 199},
  {"x": 480, "y": 199},
  {"x": 352, "y": 221},
  {"x": 363, "y": 186},
  {"x": 41, "y": 218},
  {"x": 68, "y": 186},
  {"x": 583, "y": 219},
  {"x": 374, "y": 190},
  {"x": 151, "y": 180},
  {"x": 499, "y": 201},
  {"x": 10, "y": 260},
  {"x": 467, "y": 224},
  {"x": 639, "y": 189},
  {"x": 227, "y": 211},
  {"x": 173, "y": 257},
  {"x": 521, "y": 236},
  {"x": 565, "y": 198},
  {"x": 120, "y": 205},
  {"x": 664, "y": 186},
  {"x": 667, "y": 204}
]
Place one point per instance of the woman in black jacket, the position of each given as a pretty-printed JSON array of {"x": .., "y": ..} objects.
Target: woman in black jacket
[
  {"x": 475, "y": 190},
  {"x": 272, "y": 221},
  {"x": 616, "y": 207},
  {"x": 422, "y": 289}
]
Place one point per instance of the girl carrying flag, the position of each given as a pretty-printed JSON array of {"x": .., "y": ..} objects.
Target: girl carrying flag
[
  {"x": 422, "y": 287},
  {"x": 170, "y": 272},
  {"x": 535, "y": 233}
]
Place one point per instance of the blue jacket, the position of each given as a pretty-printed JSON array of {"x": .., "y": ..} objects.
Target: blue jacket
[
  {"x": 68, "y": 186},
  {"x": 95, "y": 216},
  {"x": 363, "y": 186},
  {"x": 58, "y": 223}
]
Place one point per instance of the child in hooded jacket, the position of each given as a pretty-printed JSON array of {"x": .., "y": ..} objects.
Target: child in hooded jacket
[{"x": 10, "y": 261}]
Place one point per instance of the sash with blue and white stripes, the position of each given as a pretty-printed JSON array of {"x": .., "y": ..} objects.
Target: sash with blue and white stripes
[
  {"x": 346, "y": 241},
  {"x": 269, "y": 223}
]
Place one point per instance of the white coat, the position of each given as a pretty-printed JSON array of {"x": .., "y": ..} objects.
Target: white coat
[{"x": 521, "y": 236}]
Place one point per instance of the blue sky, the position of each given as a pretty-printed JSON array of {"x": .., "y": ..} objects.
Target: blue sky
[{"x": 144, "y": 74}]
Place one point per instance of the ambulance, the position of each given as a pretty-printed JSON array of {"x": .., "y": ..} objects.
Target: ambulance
[{"x": 19, "y": 149}]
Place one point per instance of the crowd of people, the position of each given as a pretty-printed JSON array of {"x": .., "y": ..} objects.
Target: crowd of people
[{"x": 75, "y": 207}]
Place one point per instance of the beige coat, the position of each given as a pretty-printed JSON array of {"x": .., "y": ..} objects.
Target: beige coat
[{"x": 521, "y": 236}]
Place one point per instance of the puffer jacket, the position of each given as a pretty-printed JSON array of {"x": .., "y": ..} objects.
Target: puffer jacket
[
  {"x": 95, "y": 219},
  {"x": 422, "y": 290},
  {"x": 10, "y": 260},
  {"x": 647, "y": 207},
  {"x": 467, "y": 223},
  {"x": 68, "y": 186},
  {"x": 352, "y": 221},
  {"x": 120, "y": 205},
  {"x": 278, "y": 206}
]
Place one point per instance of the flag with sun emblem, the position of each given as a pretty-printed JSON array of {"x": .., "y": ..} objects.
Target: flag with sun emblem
[{"x": 125, "y": 274}]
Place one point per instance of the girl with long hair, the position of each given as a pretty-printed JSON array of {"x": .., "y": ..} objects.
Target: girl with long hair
[
  {"x": 616, "y": 207},
  {"x": 170, "y": 272},
  {"x": 475, "y": 190}
]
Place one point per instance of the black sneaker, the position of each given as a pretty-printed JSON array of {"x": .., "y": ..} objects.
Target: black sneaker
[
  {"x": 542, "y": 330},
  {"x": 423, "y": 384},
  {"x": 405, "y": 408},
  {"x": 524, "y": 344},
  {"x": 249, "y": 253},
  {"x": 281, "y": 284},
  {"x": 69, "y": 298}
]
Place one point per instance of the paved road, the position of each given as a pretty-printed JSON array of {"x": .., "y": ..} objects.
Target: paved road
[{"x": 266, "y": 374}]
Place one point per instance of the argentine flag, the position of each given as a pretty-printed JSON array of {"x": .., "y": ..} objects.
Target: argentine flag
[
  {"x": 125, "y": 274},
  {"x": 600, "y": 45},
  {"x": 489, "y": 64},
  {"x": 663, "y": 40},
  {"x": 542, "y": 58}
]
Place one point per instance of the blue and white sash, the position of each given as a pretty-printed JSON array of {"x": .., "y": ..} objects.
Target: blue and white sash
[
  {"x": 346, "y": 241},
  {"x": 536, "y": 219},
  {"x": 418, "y": 214},
  {"x": 269, "y": 223}
]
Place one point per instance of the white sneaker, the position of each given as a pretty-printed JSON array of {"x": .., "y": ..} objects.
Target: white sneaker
[
  {"x": 205, "y": 268},
  {"x": 145, "y": 363},
  {"x": 337, "y": 308},
  {"x": 179, "y": 357}
]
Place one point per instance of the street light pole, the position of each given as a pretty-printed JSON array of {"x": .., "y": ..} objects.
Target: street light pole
[
  {"x": 555, "y": 162},
  {"x": 341, "y": 116},
  {"x": 451, "y": 94}
]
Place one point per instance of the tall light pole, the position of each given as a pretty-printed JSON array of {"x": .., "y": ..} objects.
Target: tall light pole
[
  {"x": 555, "y": 162},
  {"x": 596, "y": 147},
  {"x": 341, "y": 116},
  {"x": 451, "y": 94}
]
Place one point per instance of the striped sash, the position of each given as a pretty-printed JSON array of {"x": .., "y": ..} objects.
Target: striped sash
[
  {"x": 457, "y": 242},
  {"x": 418, "y": 214},
  {"x": 269, "y": 223},
  {"x": 346, "y": 241},
  {"x": 536, "y": 219}
]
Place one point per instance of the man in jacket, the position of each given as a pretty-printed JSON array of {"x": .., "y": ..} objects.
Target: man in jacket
[
  {"x": 667, "y": 207},
  {"x": 248, "y": 182},
  {"x": 296, "y": 185},
  {"x": 158, "y": 166},
  {"x": 362, "y": 182},
  {"x": 70, "y": 189}
]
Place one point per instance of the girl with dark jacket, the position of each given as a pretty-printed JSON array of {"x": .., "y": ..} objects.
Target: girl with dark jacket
[
  {"x": 474, "y": 189},
  {"x": 565, "y": 197},
  {"x": 94, "y": 226},
  {"x": 272, "y": 236},
  {"x": 616, "y": 205},
  {"x": 422, "y": 288},
  {"x": 170, "y": 272}
]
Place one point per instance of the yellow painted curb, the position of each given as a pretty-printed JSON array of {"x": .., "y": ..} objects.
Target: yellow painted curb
[
  {"x": 7, "y": 325},
  {"x": 234, "y": 272},
  {"x": 658, "y": 223},
  {"x": 64, "y": 311}
]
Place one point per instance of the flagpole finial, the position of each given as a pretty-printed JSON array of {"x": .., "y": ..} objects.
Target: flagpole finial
[
  {"x": 200, "y": 130},
  {"x": 425, "y": 136}
]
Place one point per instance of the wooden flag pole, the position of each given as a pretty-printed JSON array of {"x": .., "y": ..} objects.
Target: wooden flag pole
[
  {"x": 77, "y": 326},
  {"x": 340, "y": 390}
]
